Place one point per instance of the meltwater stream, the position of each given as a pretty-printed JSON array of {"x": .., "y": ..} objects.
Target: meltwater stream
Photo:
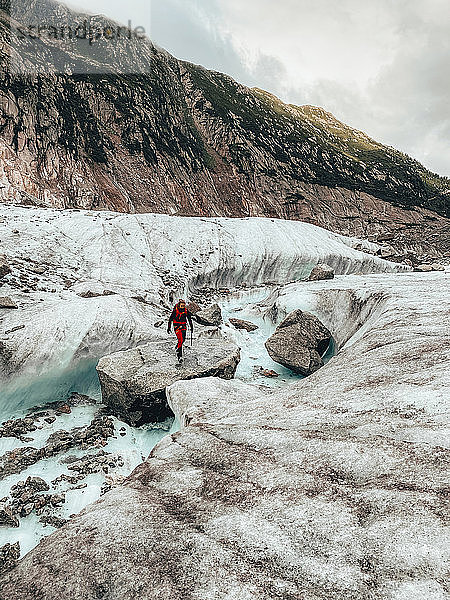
[
  {"x": 250, "y": 306},
  {"x": 122, "y": 450}
]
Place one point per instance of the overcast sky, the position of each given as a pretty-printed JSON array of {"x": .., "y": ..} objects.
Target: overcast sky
[{"x": 381, "y": 66}]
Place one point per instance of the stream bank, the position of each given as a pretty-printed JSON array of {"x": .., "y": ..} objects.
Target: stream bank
[{"x": 254, "y": 305}]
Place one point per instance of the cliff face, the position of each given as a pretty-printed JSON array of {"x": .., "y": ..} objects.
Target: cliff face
[{"x": 178, "y": 139}]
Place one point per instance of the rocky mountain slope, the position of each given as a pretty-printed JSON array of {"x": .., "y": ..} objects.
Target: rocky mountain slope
[{"x": 176, "y": 138}]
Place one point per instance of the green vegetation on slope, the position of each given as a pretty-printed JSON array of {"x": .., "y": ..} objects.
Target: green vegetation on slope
[
  {"x": 183, "y": 120},
  {"x": 311, "y": 145}
]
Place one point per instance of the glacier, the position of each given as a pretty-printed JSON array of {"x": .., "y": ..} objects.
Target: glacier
[
  {"x": 330, "y": 486},
  {"x": 153, "y": 257}
]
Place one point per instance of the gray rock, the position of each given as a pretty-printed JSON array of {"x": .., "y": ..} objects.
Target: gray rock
[
  {"x": 26, "y": 509},
  {"x": 269, "y": 373},
  {"x": 95, "y": 434},
  {"x": 210, "y": 333},
  {"x": 53, "y": 521},
  {"x": 438, "y": 267},
  {"x": 241, "y": 324},
  {"x": 386, "y": 237},
  {"x": 299, "y": 343},
  {"x": 17, "y": 427},
  {"x": 37, "y": 484},
  {"x": 9, "y": 555},
  {"x": 211, "y": 316},
  {"x": 76, "y": 399},
  {"x": 321, "y": 272},
  {"x": 428, "y": 268},
  {"x": 7, "y": 302},
  {"x": 133, "y": 382},
  {"x": 56, "y": 499},
  {"x": 5, "y": 269},
  {"x": 39, "y": 269},
  {"x": 27, "y": 498},
  {"x": 7, "y": 516},
  {"x": 17, "y": 460},
  {"x": 385, "y": 251},
  {"x": 94, "y": 293},
  {"x": 94, "y": 463}
]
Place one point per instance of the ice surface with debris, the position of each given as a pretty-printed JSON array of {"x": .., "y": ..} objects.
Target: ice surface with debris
[
  {"x": 333, "y": 486},
  {"x": 329, "y": 485},
  {"x": 132, "y": 445},
  {"x": 145, "y": 261}
]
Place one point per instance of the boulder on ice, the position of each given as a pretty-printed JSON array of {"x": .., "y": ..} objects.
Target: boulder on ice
[
  {"x": 299, "y": 343},
  {"x": 241, "y": 324},
  {"x": 5, "y": 269},
  {"x": 7, "y": 302},
  {"x": 134, "y": 382},
  {"x": 211, "y": 316},
  {"x": 321, "y": 272}
]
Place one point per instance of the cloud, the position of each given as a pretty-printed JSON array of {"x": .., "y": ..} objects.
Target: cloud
[
  {"x": 379, "y": 66},
  {"x": 191, "y": 31},
  {"x": 411, "y": 96}
]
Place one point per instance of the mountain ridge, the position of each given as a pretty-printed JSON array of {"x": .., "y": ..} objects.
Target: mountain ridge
[{"x": 181, "y": 139}]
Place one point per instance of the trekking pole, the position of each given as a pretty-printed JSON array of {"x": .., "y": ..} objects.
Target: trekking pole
[{"x": 191, "y": 337}]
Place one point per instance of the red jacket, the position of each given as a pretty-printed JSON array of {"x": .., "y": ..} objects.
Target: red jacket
[{"x": 179, "y": 319}]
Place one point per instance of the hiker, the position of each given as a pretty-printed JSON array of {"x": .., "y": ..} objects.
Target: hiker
[{"x": 179, "y": 317}]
